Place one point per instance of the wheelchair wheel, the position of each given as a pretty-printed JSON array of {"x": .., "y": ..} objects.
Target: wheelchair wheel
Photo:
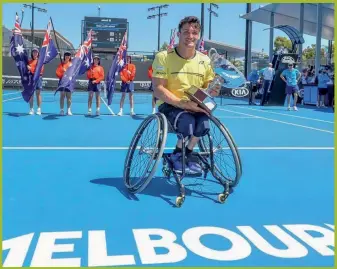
[
  {"x": 226, "y": 159},
  {"x": 145, "y": 152}
]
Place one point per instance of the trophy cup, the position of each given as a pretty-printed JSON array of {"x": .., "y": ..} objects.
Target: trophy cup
[{"x": 203, "y": 97}]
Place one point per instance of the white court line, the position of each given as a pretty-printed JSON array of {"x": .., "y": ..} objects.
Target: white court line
[
  {"x": 234, "y": 117},
  {"x": 126, "y": 148},
  {"x": 271, "y": 112},
  {"x": 112, "y": 113},
  {"x": 279, "y": 121},
  {"x": 11, "y": 99},
  {"x": 11, "y": 93}
]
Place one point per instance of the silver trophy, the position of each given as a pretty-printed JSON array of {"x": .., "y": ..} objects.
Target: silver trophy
[
  {"x": 216, "y": 62},
  {"x": 226, "y": 74}
]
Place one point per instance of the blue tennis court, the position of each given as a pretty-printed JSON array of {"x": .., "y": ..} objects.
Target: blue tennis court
[{"x": 65, "y": 203}]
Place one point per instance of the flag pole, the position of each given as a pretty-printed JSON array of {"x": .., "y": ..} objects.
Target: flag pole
[
  {"x": 52, "y": 24},
  {"x": 21, "y": 17}
]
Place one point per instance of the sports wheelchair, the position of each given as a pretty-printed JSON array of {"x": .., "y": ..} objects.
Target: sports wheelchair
[{"x": 147, "y": 149}]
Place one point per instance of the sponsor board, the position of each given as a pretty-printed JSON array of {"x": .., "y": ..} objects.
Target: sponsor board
[
  {"x": 240, "y": 92},
  {"x": 51, "y": 83}
]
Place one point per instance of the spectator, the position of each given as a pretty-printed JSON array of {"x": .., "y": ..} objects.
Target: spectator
[
  {"x": 31, "y": 67},
  {"x": 64, "y": 92},
  {"x": 127, "y": 75},
  {"x": 322, "y": 81},
  {"x": 291, "y": 76},
  {"x": 268, "y": 76},
  {"x": 95, "y": 75}
]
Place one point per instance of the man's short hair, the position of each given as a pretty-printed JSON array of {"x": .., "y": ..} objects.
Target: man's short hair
[{"x": 190, "y": 20}]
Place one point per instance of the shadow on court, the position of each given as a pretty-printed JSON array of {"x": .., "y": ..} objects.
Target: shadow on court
[
  {"x": 15, "y": 115},
  {"x": 140, "y": 116},
  {"x": 165, "y": 189}
]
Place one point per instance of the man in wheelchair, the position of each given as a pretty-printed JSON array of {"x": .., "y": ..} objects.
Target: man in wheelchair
[{"x": 174, "y": 72}]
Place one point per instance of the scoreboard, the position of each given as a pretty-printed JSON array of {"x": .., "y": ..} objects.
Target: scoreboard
[{"x": 107, "y": 33}]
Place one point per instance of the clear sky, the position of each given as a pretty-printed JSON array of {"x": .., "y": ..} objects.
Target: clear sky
[{"x": 228, "y": 27}]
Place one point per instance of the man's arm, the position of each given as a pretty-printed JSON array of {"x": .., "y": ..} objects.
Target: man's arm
[
  {"x": 162, "y": 93},
  {"x": 209, "y": 78},
  {"x": 282, "y": 77},
  {"x": 299, "y": 76}
]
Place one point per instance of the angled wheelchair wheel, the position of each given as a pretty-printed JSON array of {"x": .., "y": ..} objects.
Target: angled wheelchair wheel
[
  {"x": 224, "y": 155},
  {"x": 145, "y": 152}
]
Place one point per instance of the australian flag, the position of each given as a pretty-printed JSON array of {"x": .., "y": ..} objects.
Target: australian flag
[
  {"x": 19, "y": 53},
  {"x": 118, "y": 63},
  {"x": 47, "y": 53},
  {"x": 172, "y": 39},
  {"x": 79, "y": 65},
  {"x": 201, "y": 46}
]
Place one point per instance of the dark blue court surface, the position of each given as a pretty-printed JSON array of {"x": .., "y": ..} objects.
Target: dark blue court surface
[{"x": 65, "y": 204}]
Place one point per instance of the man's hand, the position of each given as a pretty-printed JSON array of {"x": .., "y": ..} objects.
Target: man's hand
[
  {"x": 29, "y": 68},
  {"x": 191, "y": 106},
  {"x": 214, "y": 87}
]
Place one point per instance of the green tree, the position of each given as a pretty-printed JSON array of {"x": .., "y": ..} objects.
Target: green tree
[
  {"x": 281, "y": 42},
  {"x": 310, "y": 52},
  {"x": 164, "y": 46},
  {"x": 332, "y": 49}
]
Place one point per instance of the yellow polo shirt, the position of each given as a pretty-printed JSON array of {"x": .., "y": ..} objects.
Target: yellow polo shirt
[{"x": 182, "y": 73}]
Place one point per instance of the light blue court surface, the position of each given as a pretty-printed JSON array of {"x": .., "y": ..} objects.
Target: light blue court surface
[{"x": 64, "y": 201}]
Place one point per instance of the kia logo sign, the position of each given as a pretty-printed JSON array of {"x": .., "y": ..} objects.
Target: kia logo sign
[
  {"x": 241, "y": 92},
  {"x": 288, "y": 60}
]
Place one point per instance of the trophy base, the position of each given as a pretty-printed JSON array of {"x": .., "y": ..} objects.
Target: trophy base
[{"x": 202, "y": 98}]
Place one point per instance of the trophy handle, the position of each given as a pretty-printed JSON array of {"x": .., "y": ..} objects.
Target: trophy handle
[
  {"x": 213, "y": 55},
  {"x": 211, "y": 52}
]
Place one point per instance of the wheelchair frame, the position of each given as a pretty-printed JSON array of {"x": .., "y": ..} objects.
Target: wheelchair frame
[{"x": 157, "y": 153}]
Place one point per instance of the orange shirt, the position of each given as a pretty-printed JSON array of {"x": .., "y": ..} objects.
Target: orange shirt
[
  {"x": 128, "y": 73},
  {"x": 32, "y": 64},
  {"x": 96, "y": 73},
  {"x": 149, "y": 72},
  {"x": 60, "y": 71}
]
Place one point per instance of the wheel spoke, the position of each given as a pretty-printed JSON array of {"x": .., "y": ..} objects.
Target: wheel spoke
[
  {"x": 145, "y": 152},
  {"x": 226, "y": 162}
]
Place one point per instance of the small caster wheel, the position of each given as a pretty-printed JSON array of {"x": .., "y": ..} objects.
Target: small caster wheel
[
  {"x": 179, "y": 201},
  {"x": 222, "y": 197},
  {"x": 164, "y": 171}
]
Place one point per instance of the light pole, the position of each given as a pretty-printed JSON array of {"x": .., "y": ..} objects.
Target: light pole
[
  {"x": 211, "y": 12},
  {"x": 33, "y": 7},
  {"x": 159, "y": 14},
  {"x": 248, "y": 59},
  {"x": 99, "y": 11},
  {"x": 202, "y": 20}
]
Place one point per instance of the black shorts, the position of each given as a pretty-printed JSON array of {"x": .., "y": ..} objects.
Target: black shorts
[
  {"x": 322, "y": 91},
  {"x": 186, "y": 123},
  {"x": 254, "y": 88}
]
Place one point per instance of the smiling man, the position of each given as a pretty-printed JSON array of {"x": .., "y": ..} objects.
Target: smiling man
[{"x": 174, "y": 72}]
